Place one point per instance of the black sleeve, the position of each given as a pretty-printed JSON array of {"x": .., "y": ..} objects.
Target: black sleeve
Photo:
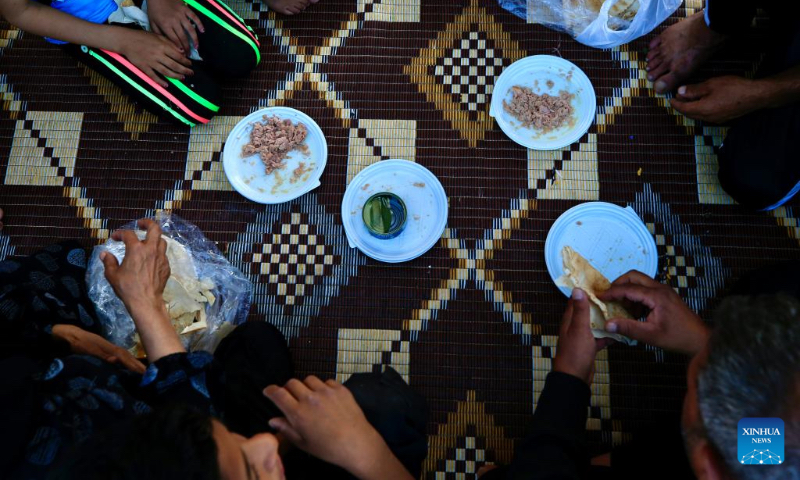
[
  {"x": 180, "y": 379},
  {"x": 555, "y": 448},
  {"x": 38, "y": 292}
]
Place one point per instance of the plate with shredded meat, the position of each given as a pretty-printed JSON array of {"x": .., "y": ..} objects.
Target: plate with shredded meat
[
  {"x": 543, "y": 102},
  {"x": 275, "y": 155}
]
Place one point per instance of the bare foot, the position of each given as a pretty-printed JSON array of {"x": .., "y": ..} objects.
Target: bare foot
[
  {"x": 679, "y": 50},
  {"x": 289, "y": 7}
]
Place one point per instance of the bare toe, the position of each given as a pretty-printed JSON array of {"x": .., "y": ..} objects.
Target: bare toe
[
  {"x": 653, "y": 54},
  {"x": 666, "y": 83},
  {"x": 654, "y": 43},
  {"x": 653, "y": 64},
  {"x": 656, "y": 73}
]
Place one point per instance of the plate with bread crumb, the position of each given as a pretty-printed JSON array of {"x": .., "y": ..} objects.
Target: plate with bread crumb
[
  {"x": 275, "y": 155},
  {"x": 543, "y": 102}
]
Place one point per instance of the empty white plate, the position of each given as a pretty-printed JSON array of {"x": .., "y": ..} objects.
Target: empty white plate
[{"x": 612, "y": 238}]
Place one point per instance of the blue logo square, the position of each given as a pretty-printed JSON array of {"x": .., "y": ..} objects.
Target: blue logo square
[{"x": 761, "y": 441}]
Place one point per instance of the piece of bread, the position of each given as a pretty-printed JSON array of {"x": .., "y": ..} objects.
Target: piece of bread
[{"x": 579, "y": 273}]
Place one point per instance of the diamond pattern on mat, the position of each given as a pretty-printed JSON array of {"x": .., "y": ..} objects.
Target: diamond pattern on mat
[
  {"x": 686, "y": 264},
  {"x": 292, "y": 259},
  {"x": 469, "y": 68},
  {"x": 473, "y": 39},
  {"x": 469, "y": 439},
  {"x": 465, "y": 459},
  {"x": 297, "y": 256}
]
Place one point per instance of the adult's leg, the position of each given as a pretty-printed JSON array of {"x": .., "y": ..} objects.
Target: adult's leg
[
  {"x": 228, "y": 46},
  {"x": 758, "y": 164},
  {"x": 190, "y": 102},
  {"x": 252, "y": 357},
  {"x": 729, "y": 17},
  {"x": 398, "y": 413}
]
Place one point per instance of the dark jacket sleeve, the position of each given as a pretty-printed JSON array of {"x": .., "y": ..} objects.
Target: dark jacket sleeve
[
  {"x": 180, "y": 378},
  {"x": 555, "y": 447}
]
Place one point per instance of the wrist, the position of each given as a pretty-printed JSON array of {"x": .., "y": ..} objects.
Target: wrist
[
  {"x": 147, "y": 310},
  {"x": 764, "y": 92},
  {"x": 368, "y": 462},
  {"x": 700, "y": 339},
  {"x": 116, "y": 37},
  {"x": 571, "y": 370}
]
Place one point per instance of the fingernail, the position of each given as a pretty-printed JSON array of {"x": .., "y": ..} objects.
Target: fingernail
[
  {"x": 682, "y": 90},
  {"x": 611, "y": 327},
  {"x": 647, "y": 68},
  {"x": 660, "y": 86},
  {"x": 578, "y": 294},
  {"x": 650, "y": 77},
  {"x": 183, "y": 77}
]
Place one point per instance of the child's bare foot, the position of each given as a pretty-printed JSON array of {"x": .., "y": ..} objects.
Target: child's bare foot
[
  {"x": 289, "y": 7},
  {"x": 679, "y": 50}
]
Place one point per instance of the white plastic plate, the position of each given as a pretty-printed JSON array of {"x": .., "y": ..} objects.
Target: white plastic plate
[
  {"x": 535, "y": 72},
  {"x": 426, "y": 205},
  {"x": 612, "y": 238},
  {"x": 247, "y": 174}
]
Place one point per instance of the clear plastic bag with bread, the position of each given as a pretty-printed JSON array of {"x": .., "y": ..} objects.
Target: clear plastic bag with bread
[
  {"x": 205, "y": 295},
  {"x": 596, "y": 23}
]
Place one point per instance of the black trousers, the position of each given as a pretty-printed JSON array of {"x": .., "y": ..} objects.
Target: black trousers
[
  {"x": 256, "y": 355},
  {"x": 758, "y": 164},
  {"x": 228, "y": 46}
]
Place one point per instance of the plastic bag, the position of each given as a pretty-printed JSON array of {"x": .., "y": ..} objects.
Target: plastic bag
[
  {"x": 596, "y": 23},
  {"x": 227, "y": 301}
]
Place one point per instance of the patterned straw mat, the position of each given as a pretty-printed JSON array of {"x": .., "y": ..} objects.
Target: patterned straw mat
[{"x": 473, "y": 323}]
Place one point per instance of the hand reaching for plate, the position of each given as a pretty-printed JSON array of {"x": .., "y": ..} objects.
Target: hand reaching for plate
[{"x": 670, "y": 323}]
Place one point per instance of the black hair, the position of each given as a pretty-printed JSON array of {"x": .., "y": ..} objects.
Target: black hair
[
  {"x": 170, "y": 443},
  {"x": 753, "y": 370}
]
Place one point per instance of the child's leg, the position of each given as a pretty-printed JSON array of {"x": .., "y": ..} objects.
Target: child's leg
[
  {"x": 191, "y": 101},
  {"x": 228, "y": 46}
]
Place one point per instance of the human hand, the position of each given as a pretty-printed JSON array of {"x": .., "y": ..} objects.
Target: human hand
[
  {"x": 323, "y": 419},
  {"x": 139, "y": 282},
  {"x": 719, "y": 99},
  {"x": 176, "y": 21},
  {"x": 670, "y": 324},
  {"x": 577, "y": 347},
  {"x": 154, "y": 55},
  {"x": 87, "y": 343}
]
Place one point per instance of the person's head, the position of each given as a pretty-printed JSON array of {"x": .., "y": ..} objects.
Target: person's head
[
  {"x": 173, "y": 443},
  {"x": 749, "y": 368}
]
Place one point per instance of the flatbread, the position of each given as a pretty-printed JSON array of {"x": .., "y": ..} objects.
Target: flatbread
[{"x": 579, "y": 273}]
